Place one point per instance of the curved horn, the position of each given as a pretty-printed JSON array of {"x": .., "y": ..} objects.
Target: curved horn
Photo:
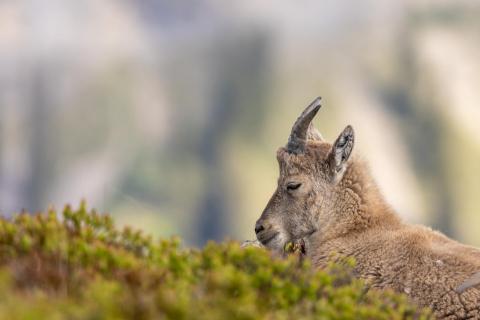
[{"x": 298, "y": 137}]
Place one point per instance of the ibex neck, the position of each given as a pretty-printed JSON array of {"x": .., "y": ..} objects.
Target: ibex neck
[{"x": 359, "y": 205}]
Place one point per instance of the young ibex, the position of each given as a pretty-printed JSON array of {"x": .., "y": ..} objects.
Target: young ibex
[{"x": 328, "y": 200}]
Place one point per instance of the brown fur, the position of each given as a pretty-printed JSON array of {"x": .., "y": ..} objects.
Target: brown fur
[{"x": 338, "y": 209}]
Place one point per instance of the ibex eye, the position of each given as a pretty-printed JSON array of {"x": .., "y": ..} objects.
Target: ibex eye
[{"x": 293, "y": 186}]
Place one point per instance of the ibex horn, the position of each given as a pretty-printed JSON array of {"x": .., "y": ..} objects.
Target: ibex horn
[{"x": 298, "y": 137}]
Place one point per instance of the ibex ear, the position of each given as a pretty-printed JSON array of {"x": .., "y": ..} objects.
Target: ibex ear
[{"x": 341, "y": 151}]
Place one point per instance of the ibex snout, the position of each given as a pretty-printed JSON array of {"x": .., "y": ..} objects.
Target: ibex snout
[{"x": 265, "y": 233}]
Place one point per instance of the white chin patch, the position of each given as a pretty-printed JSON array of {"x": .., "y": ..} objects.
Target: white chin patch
[{"x": 278, "y": 243}]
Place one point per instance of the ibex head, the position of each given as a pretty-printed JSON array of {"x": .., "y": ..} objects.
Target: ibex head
[{"x": 310, "y": 170}]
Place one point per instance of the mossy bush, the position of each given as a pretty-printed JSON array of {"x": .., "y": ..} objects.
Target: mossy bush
[{"x": 77, "y": 265}]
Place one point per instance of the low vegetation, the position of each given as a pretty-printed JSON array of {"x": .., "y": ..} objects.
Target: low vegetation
[{"x": 79, "y": 266}]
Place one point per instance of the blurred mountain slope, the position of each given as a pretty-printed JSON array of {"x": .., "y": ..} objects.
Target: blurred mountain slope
[{"x": 176, "y": 108}]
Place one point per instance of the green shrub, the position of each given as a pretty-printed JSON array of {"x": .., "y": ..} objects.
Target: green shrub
[{"x": 80, "y": 266}]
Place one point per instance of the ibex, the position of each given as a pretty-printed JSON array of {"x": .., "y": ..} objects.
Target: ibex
[{"x": 327, "y": 199}]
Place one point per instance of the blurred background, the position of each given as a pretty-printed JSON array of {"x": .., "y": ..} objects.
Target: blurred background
[{"x": 168, "y": 114}]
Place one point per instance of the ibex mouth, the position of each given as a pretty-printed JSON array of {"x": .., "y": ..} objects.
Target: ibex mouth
[{"x": 266, "y": 237}]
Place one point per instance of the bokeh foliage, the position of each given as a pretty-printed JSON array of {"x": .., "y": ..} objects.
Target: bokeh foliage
[{"x": 79, "y": 266}]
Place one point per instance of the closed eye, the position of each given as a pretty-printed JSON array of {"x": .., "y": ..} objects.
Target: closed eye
[{"x": 293, "y": 186}]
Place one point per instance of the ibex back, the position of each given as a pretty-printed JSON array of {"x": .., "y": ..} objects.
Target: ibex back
[{"x": 328, "y": 198}]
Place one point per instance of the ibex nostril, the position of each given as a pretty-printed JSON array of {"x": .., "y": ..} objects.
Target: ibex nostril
[{"x": 259, "y": 228}]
